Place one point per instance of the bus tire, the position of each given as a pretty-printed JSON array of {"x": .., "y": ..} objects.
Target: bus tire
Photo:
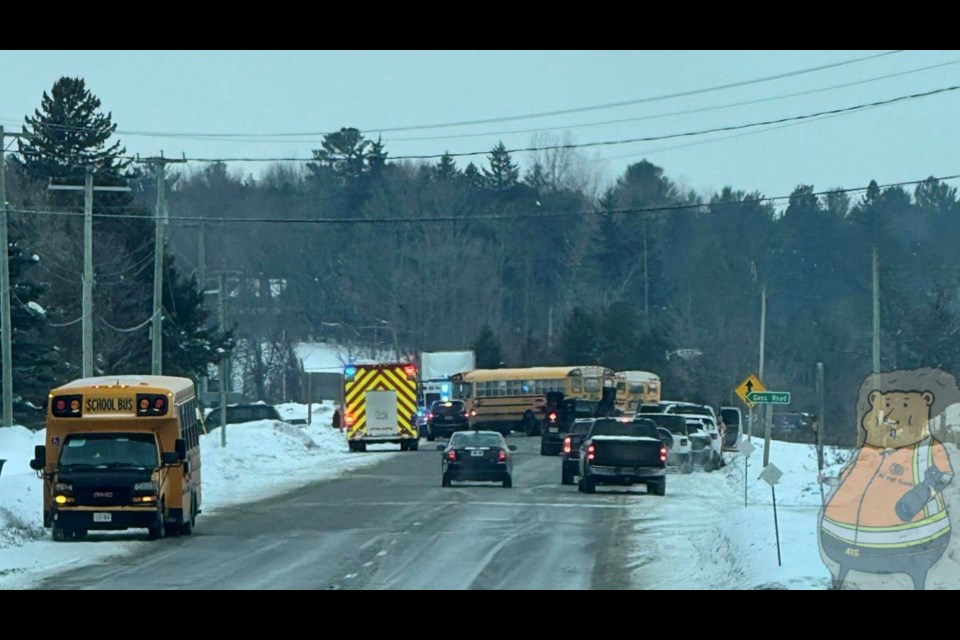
[
  {"x": 190, "y": 523},
  {"x": 414, "y": 445},
  {"x": 530, "y": 425},
  {"x": 60, "y": 534},
  {"x": 158, "y": 530}
]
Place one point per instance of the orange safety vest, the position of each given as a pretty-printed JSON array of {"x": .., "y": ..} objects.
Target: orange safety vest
[{"x": 862, "y": 510}]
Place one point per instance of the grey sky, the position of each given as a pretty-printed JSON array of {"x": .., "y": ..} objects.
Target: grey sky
[{"x": 263, "y": 93}]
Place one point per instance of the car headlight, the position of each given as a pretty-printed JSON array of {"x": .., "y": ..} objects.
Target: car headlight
[{"x": 146, "y": 486}]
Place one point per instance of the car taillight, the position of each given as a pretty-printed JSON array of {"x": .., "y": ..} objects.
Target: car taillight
[
  {"x": 663, "y": 454},
  {"x": 452, "y": 456},
  {"x": 502, "y": 456},
  {"x": 553, "y": 417},
  {"x": 591, "y": 452},
  {"x": 567, "y": 445}
]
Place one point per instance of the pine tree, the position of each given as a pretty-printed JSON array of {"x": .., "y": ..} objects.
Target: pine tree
[
  {"x": 446, "y": 170},
  {"x": 578, "y": 341},
  {"x": 473, "y": 177},
  {"x": 503, "y": 173},
  {"x": 34, "y": 357},
  {"x": 487, "y": 349},
  {"x": 69, "y": 135}
]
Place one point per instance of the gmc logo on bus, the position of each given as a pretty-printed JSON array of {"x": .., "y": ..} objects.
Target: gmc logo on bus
[{"x": 103, "y": 494}]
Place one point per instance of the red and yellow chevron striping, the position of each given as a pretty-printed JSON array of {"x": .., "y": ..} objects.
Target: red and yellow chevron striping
[{"x": 380, "y": 378}]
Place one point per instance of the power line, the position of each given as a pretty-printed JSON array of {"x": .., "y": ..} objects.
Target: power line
[
  {"x": 527, "y": 116},
  {"x": 606, "y": 143},
  {"x": 499, "y": 216},
  {"x": 131, "y": 329},
  {"x": 658, "y": 116},
  {"x": 65, "y": 324}
]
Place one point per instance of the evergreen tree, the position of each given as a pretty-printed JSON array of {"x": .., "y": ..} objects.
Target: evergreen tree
[
  {"x": 70, "y": 135},
  {"x": 446, "y": 169},
  {"x": 487, "y": 349},
  {"x": 473, "y": 177},
  {"x": 35, "y": 359},
  {"x": 578, "y": 343},
  {"x": 503, "y": 174}
]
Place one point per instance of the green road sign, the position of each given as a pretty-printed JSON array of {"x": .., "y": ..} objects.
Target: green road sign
[{"x": 769, "y": 397}]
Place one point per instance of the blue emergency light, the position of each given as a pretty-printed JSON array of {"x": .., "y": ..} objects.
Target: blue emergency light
[{"x": 350, "y": 371}]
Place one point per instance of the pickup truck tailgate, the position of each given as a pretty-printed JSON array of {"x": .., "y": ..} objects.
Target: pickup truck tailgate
[{"x": 614, "y": 451}]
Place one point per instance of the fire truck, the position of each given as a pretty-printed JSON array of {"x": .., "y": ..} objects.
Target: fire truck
[{"x": 380, "y": 405}]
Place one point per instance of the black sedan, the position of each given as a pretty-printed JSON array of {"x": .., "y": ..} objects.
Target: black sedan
[{"x": 477, "y": 455}]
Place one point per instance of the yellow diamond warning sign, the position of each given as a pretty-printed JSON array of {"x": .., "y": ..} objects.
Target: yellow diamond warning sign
[{"x": 751, "y": 384}]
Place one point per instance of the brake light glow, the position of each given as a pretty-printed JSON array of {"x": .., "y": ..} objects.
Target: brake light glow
[
  {"x": 502, "y": 456},
  {"x": 591, "y": 452},
  {"x": 452, "y": 456},
  {"x": 567, "y": 446},
  {"x": 473, "y": 412},
  {"x": 553, "y": 417},
  {"x": 663, "y": 454}
]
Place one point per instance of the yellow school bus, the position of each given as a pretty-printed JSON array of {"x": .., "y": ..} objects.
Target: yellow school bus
[
  {"x": 505, "y": 399},
  {"x": 635, "y": 388},
  {"x": 121, "y": 452}
]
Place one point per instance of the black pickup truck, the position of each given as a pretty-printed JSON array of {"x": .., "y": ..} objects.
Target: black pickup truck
[{"x": 623, "y": 452}]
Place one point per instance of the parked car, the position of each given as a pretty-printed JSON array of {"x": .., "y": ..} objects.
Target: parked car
[
  {"x": 482, "y": 456},
  {"x": 623, "y": 453},
  {"x": 446, "y": 417},
  {"x": 240, "y": 413},
  {"x": 704, "y": 446},
  {"x": 680, "y": 454}
]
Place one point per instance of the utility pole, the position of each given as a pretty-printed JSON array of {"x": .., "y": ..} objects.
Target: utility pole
[
  {"x": 88, "y": 188},
  {"x": 765, "y": 408},
  {"x": 160, "y": 218},
  {"x": 876, "y": 311},
  {"x": 221, "y": 279},
  {"x": 5, "y": 295}
]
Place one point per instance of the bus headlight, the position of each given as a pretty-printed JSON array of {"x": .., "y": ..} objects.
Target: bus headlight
[
  {"x": 62, "y": 499},
  {"x": 149, "y": 487}
]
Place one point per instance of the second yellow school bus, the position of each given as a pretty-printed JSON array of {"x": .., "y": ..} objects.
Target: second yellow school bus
[
  {"x": 505, "y": 399},
  {"x": 121, "y": 452}
]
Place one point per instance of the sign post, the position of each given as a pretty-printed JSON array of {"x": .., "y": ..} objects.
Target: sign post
[
  {"x": 746, "y": 449},
  {"x": 771, "y": 475}
]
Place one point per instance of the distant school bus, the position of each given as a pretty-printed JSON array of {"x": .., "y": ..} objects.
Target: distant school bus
[
  {"x": 121, "y": 452},
  {"x": 507, "y": 399},
  {"x": 635, "y": 388}
]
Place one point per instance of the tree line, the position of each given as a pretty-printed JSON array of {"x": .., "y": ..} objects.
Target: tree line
[{"x": 531, "y": 267}]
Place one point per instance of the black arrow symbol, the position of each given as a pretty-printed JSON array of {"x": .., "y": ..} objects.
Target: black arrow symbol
[{"x": 749, "y": 386}]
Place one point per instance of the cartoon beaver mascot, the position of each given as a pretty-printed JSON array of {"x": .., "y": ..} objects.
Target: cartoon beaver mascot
[{"x": 886, "y": 513}]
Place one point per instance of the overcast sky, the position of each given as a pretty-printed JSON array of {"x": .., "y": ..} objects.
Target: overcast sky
[{"x": 254, "y": 96}]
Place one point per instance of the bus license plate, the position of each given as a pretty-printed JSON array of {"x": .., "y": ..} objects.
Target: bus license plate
[{"x": 103, "y": 517}]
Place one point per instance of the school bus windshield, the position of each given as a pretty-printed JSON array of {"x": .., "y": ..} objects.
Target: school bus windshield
[{"x": 109, "y": 450}]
